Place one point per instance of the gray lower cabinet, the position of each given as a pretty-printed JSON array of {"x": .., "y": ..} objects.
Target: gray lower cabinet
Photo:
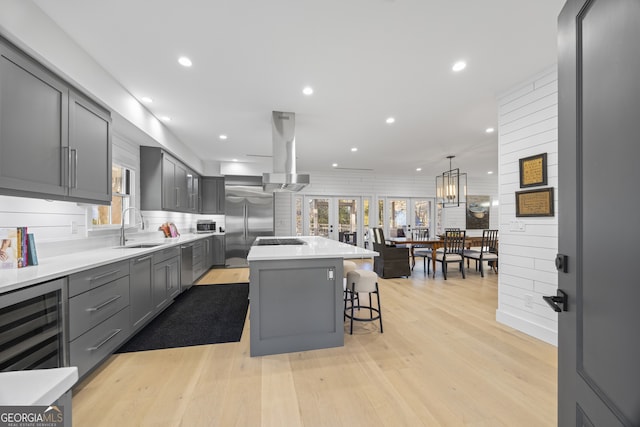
[
  {"x": 213, "y": 195},
  {"x": 166, "y": 277},
  {"x": 67, "y": 155},
  {"x": 98, "y": 314},
  {"x": 199, "y": 259},
  {"x": 218, "y": 251},
  {"x": 141, "y": 290}
]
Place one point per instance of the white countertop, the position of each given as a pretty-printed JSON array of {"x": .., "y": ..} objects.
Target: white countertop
[
  {"x": 315, "y": 247},
  {"x": 36, "y": 387},
  {"x": 55, "y": 267}
]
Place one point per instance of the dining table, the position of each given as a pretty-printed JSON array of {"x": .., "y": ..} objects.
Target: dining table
[{"x": 433, "y": 244}]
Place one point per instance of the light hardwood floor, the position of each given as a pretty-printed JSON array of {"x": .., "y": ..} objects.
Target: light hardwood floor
[{"x": 443, "y": 360}]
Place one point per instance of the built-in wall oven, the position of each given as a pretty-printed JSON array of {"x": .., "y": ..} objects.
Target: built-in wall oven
[{"x": 32, "y": 330}]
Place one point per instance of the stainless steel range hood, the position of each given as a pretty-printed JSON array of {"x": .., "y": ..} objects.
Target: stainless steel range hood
[{"x": 284, "y": 176}]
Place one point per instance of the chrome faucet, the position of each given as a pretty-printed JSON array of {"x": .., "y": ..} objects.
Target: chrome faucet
[{"x": 123, "y": 240}]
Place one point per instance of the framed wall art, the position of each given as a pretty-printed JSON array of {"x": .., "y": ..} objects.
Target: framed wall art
[
  {"x": 533, "y": 171},
  {"x": 537, "y": 202}
]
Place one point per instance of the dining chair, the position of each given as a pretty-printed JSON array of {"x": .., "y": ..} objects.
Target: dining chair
[
  {"x": 488, "y": 250},
  {"x": 452, "y": 251}
]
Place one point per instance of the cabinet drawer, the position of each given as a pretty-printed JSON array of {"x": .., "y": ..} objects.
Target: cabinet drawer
[
  {"x": 87, "y": 280},
  {"x": 165, "y": 254},
  {"x": 91, "y": 348},
  {"x": 91, "y": 308}
]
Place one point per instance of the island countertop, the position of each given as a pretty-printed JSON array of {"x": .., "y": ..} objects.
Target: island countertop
[{"x": 314, "y": 247}]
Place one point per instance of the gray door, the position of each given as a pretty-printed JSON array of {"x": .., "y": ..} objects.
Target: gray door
[{"x": 599, "y": 205}]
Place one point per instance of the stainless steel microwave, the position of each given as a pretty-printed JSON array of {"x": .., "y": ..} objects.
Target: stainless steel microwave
[{"x": 205, "y": 226}]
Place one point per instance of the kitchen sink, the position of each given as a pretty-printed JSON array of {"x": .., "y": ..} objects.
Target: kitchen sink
[{"x": 140, "y": 246}]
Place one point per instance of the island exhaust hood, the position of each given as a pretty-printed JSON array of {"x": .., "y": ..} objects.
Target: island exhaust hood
[{"x": 284, "y": 176}]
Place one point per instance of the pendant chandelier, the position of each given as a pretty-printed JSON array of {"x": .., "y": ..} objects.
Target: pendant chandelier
[{"x": 451, "y": 186}]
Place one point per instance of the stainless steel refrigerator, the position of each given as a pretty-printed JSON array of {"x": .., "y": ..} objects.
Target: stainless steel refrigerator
[{"x": 248, "y": 214}]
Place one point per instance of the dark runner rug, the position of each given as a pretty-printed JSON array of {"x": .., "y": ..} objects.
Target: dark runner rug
[{"x": 204, "y": 314}]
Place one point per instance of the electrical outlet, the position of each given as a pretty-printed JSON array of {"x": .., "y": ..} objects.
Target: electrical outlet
[
  {"x": 74, "y": 227},
  {"x": 528, "y": 301}
]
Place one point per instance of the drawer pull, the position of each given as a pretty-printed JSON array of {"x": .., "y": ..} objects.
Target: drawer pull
[
  {"x": 106, "y": 340},
  {"x": 102, "y": 276},
  {"x": 144, "y": 258},
  {"x": 104, "y": 304}
]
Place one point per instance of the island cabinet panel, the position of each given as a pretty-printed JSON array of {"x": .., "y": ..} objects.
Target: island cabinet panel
[
  {"x": 296, "y": 305},
  {"x": 54, "y": 142}
]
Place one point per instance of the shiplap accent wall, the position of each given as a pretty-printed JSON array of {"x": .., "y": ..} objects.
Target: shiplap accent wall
[
  {"x": 528, "y": 125},
  {"x": 370, "y": 184}
]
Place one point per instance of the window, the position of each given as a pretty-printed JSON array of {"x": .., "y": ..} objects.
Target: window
[{"x": 122, "y": 185}]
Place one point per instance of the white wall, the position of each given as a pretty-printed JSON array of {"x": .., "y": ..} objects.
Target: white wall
[{"x": 528, "y": 125}]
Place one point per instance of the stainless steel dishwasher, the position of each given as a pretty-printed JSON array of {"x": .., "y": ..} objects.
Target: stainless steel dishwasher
[{"x": 186, "y": 268}]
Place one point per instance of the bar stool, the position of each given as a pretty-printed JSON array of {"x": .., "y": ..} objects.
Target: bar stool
[
  {"x": 361, "y": 281},
  {"x": 347, "y": 266}
]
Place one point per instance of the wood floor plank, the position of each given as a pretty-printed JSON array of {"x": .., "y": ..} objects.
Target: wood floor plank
[{"x": 442, "y": 360}]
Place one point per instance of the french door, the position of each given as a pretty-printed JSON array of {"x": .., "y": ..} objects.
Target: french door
[
  {"x": 403, "y": 215},
  {"x": 335, "y": 217}
]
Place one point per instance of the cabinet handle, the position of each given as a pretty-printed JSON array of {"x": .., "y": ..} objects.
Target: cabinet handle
[
  {"x": 106, "y": 340},
  {"x": 74, "y": 182},
  {"x": 104, "y": 304},
  {"x": 66, "y": 160},
  {"x": 144, "y": 258},
  {"x": 167, "y": 276},
  {"x": 101, "y": 276},
  {"x": 177, "y": 197}
]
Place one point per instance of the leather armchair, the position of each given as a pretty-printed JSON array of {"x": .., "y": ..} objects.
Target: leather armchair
[{"x": 392, "y": 261}]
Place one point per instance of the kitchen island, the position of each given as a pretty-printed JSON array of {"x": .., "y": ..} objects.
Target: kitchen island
[{"x": 295, "y": 293}]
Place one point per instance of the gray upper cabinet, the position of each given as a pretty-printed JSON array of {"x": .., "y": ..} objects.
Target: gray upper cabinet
[
  {"x": 165, "y": 182},
  {"x": 212, "y": 195},
  {"x": 89, "y": 149},
  {"x": 54, "y": 143}
]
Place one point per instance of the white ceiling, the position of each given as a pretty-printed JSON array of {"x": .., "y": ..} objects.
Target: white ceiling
[{"x": 366, "y": 60}]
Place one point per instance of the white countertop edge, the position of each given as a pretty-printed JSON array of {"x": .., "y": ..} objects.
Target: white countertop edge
[
  {"x": 36, "y": 387},
  {"x": 316, "y": 247},
  {"x": 52, "y": 268}
]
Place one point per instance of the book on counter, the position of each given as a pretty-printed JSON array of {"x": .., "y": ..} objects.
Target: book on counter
[{"x": 17, "y": 248}]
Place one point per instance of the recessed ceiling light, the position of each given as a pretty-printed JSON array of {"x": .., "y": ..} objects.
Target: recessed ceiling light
[
  {"x": 146, "y": 99},
  {"x": 165, "y": 118},
  {"x": 490, "y": 173},
  {"x": 390, "y": 120},
  {"x": 354, "y": 149},
  {"x": 418, "y": 169},
  {"x": 459, "y": 66},
  {"x": 223, "y": 137},
  {"x": 489, "y": 130},
  {"x": 234, "y": 160},
  {"x": 184, "y": 61},
  {"x": 308, "y": 90},
  {"x": 335, "y": 165}
]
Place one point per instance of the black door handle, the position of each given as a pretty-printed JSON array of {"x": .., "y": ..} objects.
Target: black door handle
[{"x": 560, "y": 298}]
